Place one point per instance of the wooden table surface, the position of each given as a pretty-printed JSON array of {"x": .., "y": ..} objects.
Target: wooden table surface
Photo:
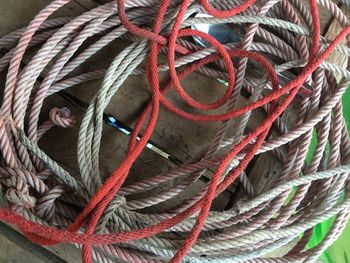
[{"x": 181, "y": 138}]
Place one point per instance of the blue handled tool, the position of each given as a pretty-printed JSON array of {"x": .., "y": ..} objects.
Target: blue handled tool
[{"x": 113, "y": 122}]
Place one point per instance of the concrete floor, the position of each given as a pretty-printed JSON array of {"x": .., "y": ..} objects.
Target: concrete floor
[{"x": 11, "y": 253}]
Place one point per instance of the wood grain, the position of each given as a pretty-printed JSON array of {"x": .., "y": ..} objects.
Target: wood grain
[
  {"x": 181, "y": 138},
  {"x": 333, "y": 30}
]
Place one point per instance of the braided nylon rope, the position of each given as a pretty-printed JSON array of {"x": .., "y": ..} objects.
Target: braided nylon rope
[{"x": 104, "y": 218}]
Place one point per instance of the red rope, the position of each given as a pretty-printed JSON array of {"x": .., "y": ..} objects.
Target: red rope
[
  {"x": 280, "y": 96},
  {"x": 226, "y": 13}
]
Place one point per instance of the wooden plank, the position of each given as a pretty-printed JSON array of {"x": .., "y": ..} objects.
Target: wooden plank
[
  {"x": 184, "y": 139},
  {"x": 14, "y": 15},
  {"x": 334, "y": 29},
  {"x": 125, "y": 106},
  {"x": 17, "y": 14},
  {"x": 267, "y": 167},
  {"x": 167, "y": 136}
]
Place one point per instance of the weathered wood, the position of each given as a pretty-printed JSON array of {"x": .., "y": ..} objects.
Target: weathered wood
[
  {"x": 334, "y": 30},
  {"x": 14, "y": 15},
  {"x": 131, "y": 97},
  {"x": 181, "y": 138},
  {"x": 267, "y": 167}
]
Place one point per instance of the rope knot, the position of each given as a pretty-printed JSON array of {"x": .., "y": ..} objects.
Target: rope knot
[
  {"x": 18, "y": 192},
  {"x": 15, "y": 182},
  {"x": 118, "y": 201},
  {"x": 19, "y": 198},
  {"x": 62, "y": 117}
]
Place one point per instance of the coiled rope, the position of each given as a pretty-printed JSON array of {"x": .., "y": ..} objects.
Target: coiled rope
[{"x": 44, "y": 197}]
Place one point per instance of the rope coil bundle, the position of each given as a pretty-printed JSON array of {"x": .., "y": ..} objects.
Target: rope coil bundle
[{"x": 41, "y": 193}]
